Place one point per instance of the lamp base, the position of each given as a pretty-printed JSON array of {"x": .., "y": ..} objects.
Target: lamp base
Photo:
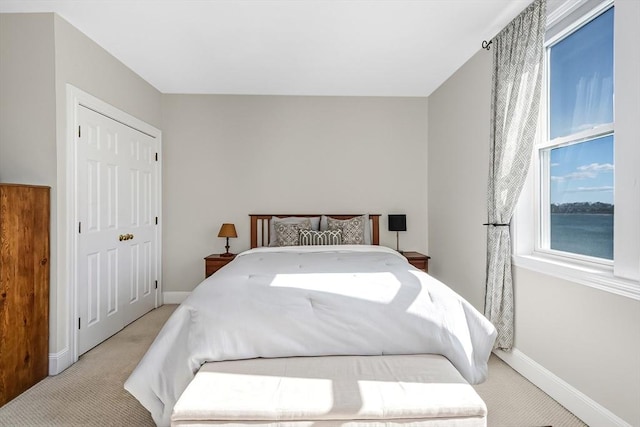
[{"x": 226, "y": 248}]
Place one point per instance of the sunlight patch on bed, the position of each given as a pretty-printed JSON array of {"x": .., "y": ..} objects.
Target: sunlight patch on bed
[{"x": 380, "y": 287}]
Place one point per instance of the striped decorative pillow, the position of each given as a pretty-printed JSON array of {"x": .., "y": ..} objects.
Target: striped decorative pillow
[{"x": 329, "y": 237}]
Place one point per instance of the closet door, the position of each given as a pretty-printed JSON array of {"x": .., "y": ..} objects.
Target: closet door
[
  {"x": 140, "y": 249},
  {"x": 117, "y": 250}
]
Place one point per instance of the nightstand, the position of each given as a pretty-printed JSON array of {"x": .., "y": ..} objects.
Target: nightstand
[
  {"x": 418, "y": 260},
  {"x": 215, "y": 262}
]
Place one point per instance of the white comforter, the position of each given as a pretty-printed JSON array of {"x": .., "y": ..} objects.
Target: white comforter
[{"x": 310, "y": 301}]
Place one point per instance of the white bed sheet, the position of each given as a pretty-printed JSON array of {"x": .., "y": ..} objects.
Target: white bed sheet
[{"x": 310, "y": 301}]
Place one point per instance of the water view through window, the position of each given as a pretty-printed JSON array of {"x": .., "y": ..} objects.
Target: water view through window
[
  {"x": 582, "y": 198},
  {"x": 581, "y": 167}
]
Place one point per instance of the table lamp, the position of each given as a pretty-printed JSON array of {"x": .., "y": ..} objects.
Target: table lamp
[
  {"x": 227, "y": 230},
  {"x": 397, "y": 223}
]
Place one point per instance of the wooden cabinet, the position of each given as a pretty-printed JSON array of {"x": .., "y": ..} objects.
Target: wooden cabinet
[
  {"x": 215, "y": 262},
  {"x": 24, "y": 288},
  {"x": 418, "y": 260}
]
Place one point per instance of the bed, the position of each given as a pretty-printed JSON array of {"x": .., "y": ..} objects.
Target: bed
[{"x": 337, "y": 334}]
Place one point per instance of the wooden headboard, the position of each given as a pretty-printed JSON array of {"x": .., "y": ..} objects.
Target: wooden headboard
[{"x": 260, "y": 226}]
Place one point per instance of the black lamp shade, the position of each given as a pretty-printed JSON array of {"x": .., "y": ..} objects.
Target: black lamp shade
[{"x": 397, "y": 223}]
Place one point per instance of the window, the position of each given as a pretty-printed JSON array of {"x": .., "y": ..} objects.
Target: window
[
  {"x": 578, "y": 217},
  {"x": 576, "y": 157},
  {"x": 581, "y": 196}
]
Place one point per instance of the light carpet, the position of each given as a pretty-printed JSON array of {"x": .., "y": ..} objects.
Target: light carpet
[{"x": 90, "y": 392}]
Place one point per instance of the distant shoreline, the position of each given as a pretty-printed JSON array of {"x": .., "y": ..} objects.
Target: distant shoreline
[
  {"x": 582, "y": 213},
  {"x": 582, "y": 208}
]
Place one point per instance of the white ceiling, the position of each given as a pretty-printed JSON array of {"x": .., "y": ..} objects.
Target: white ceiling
[{"x": 287, "y": 47}]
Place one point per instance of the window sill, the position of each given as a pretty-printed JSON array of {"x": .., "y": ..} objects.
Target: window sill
[{"x": 599, "y": 277}]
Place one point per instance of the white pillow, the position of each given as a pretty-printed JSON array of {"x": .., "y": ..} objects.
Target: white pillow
[
  {"x": 315, "y": 225},
  {"x": 324, "y": 225}
]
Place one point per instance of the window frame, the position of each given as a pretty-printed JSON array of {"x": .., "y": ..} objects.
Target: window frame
[
  {"x": 544, "y": 144},
  {"x": 530, "y": 240}
]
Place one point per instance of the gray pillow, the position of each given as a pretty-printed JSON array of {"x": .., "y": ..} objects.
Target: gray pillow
[
  {"x": 315, "y": 225},
  {"x": 353, "y": 230},
  {"x": 367, "y": 228},
  {"x": 289, "y": 234}
]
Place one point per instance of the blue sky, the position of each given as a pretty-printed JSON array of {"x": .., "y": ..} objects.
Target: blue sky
[
  {"x": 581, "y": 90},
  {"x": 583, "y": 172},
  {"x": 581, "y": 84}
]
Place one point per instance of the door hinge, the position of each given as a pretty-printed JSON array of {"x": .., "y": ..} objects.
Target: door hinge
[
  {"x": 156, "y": 284},
  {"x": 156, "y": 157},
  {"x": 79, "y": 132},
  {"x": 78, "y": 323},
  {"x": 156, "y": 220},
  {"x": 79, "y": 228}
]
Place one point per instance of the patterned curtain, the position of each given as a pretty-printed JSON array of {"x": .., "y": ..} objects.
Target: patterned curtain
[{"x": 515, "y": 97}]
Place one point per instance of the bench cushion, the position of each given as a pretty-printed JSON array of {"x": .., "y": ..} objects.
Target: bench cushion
[{"x": 333, "y": 390}]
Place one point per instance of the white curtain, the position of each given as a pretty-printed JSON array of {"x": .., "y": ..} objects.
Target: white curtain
[{"x": 517, "y": 72}]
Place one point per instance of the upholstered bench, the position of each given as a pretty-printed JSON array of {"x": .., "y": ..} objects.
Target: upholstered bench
[{"x": 394, "y": 390}]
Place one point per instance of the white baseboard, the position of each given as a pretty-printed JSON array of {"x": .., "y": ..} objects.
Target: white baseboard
[
  {"x": 59, "y": 361},
  {"x": 174, "y": 297},
  {"x": 585, "y": 408}
]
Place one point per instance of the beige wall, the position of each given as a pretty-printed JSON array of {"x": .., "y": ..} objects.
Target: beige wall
[
  {"x": 39, "y": 55},
  {"x": 87, "y": 66},
  {"x": 228, "y": 156},
  {"x": 458, "y": 169},
  {"x": 588, "y": 338},
  {"x": 28, "y": 114},
  {"x": 27, "y": 99}
]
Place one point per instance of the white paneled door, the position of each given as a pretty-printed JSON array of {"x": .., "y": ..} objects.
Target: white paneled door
[{"x": 117, "y": 207}]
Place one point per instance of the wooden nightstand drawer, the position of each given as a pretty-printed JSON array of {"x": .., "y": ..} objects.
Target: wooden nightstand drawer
[
  {"x": 215, "y": 262},
  {"x": 418, "y": 260}
]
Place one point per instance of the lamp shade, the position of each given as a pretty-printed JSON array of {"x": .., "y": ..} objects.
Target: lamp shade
[
  {"x": 397, "y": 223},
  {"x": 228, "y": 230}
]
